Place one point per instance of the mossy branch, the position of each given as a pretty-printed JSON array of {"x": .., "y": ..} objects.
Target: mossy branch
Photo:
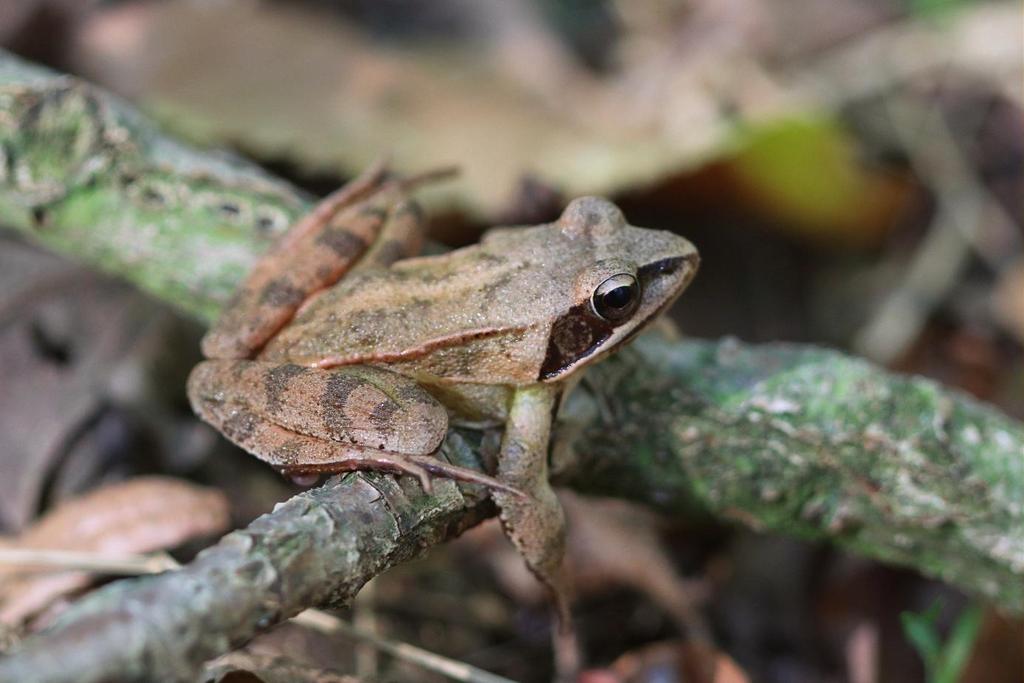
[{"x": 793, "y": 439}]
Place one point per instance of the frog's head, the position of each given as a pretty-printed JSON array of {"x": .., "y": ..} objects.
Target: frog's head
[{"x": 627, "y": 277}]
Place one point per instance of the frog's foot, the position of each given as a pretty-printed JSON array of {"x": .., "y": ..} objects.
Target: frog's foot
[
  {"x": 310, "y": 421},
  {"x": 536, "y": 527}
]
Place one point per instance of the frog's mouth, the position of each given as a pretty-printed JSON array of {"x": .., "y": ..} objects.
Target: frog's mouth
[{"x": 580, "y": 336}]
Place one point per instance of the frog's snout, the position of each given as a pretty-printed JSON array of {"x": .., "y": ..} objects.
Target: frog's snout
[{"x": 665, "y": 278}]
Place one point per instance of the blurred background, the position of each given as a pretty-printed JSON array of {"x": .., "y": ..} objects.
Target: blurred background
[{"x": 852, "y": 172}]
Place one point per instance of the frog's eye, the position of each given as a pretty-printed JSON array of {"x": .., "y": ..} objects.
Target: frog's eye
[{"x": 616, "y": 298}]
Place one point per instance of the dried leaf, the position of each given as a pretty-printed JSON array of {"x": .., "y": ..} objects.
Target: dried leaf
[
  {"x": 357, "y": 98},
  {"x": 247, "y": 667},
  {"x": 137, "y": 516},
  {"x": 609, "y": 543},
  {"x": 998, "y": 653},
  {"x": 9, "y": 637},
  {"x": 86, "y": 377},
  {"x": 44, "y": 400},
  {"x": 1009, "y": 299},
  {"x": 692, "y": 661}
]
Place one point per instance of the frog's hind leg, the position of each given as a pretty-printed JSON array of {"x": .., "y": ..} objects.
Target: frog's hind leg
[
  {"x": 305, "y": 420},
  {"x": 314, "y": 254},
  {"x": 296, "y": 454},
  {"x": 401, "y": 237}
]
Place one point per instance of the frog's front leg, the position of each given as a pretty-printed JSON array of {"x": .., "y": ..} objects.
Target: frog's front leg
[
  {"x": 305, "y": 420},
  {"x": 535, "y": 524}
]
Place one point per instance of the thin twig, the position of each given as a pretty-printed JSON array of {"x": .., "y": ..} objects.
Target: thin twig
[
  {"x": 453, "y": 669},
  {"x": 156, "y": 563},
  {"x": 962, "y": 206},
  {"x": 912, "y": 48},
  {"x": 364, "y": 618},
  {"x": 69, "y": 560}
]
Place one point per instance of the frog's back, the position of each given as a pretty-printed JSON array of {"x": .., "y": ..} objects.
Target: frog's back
[
  {"x": 467, "y": 316},
  {"x": 525, "y": 305}
]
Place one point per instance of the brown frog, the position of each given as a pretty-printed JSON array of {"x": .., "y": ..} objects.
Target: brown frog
[{"x": 315, "y": 372}]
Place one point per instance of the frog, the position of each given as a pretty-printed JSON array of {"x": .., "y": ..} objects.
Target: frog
[{"x": 345, "y": 350}]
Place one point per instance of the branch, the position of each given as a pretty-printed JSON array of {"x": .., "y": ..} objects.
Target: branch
[
  {"x": 84, "y": 174},
  {"x": 787, "y": 438},
  {"x": 319, "y": 547},
  {"x": 813, "y": 443}
]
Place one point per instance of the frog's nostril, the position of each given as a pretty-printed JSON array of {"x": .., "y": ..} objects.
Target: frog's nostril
[{"x": 51, "y": 344}]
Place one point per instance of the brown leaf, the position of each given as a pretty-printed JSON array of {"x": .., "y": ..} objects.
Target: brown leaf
[
  {"x": 247, "y": 667},
  {"x": 136, "y": 516},
  {"x": 580, "y": 133},
  {"x": 998, "y": 655},
  {"x": 1009, "y": 299},
  {"x": 89, "y": 388},
  {"x": 9, "y": 637},
  {"x": 692, "y": 661},
  {"x": 609, "y": 543},
  {"x": 43, "y": 400}
]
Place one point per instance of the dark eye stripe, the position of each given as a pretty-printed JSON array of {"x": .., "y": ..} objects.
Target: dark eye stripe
[
  {"x": 580, "y": 332},
  {"x": 574, "y": 336},
  {"x": 665, "y": 266}
]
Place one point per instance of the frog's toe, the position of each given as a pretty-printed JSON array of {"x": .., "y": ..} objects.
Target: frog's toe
[
  {"x": 448, "y": 471},
  {"x": 305, "y": 480},
  {"x": 354, "y": 461},
  {"x": 407, "y": 466}
]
